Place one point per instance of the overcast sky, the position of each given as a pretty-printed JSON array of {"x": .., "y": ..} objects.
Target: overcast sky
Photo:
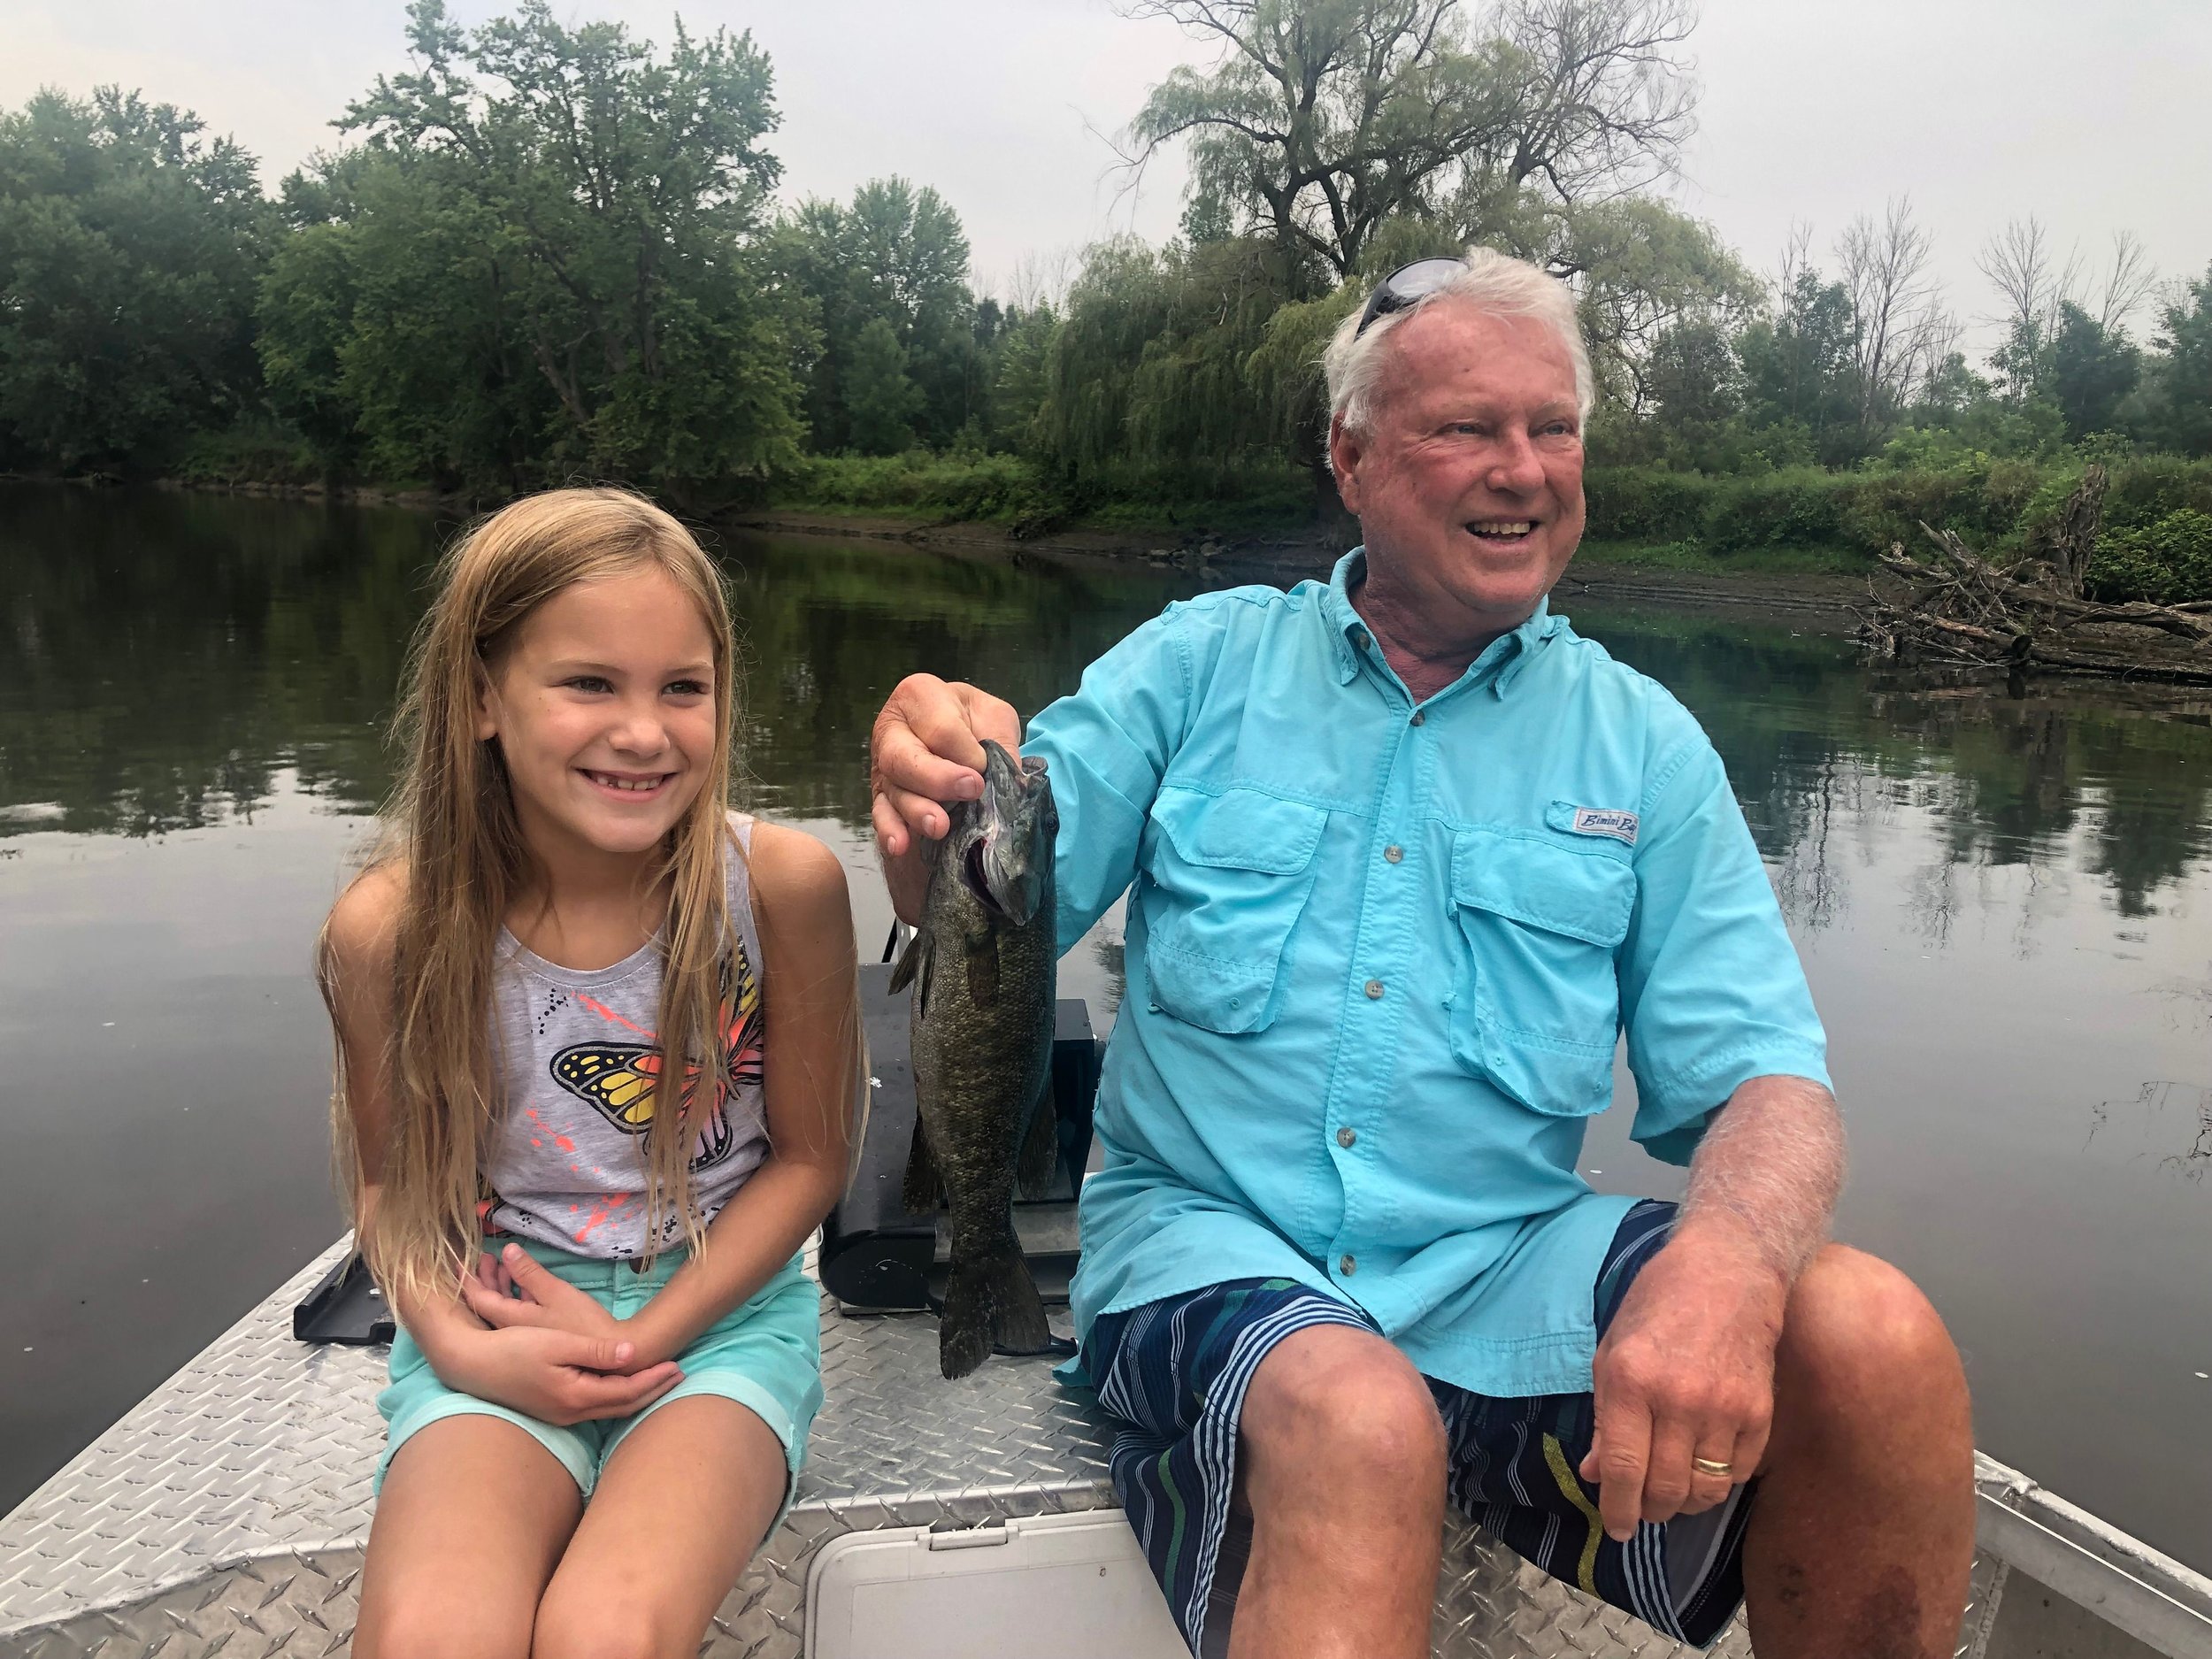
[{"x": 2091, "y": 116}]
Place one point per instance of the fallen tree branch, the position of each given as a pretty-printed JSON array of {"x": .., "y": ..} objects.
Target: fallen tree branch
[{"x": 1963, "y": 609}]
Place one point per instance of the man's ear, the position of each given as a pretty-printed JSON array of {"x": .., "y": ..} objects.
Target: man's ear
[{"x": 1347, "y": 449}]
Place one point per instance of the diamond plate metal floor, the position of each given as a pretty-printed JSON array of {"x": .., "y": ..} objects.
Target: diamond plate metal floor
[{"x": 227, "y": 1513}]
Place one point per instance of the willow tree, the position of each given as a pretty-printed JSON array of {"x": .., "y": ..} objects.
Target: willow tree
[
  {"x": 1150, "y": 367},
  {"x": 1322, "y": 121}
]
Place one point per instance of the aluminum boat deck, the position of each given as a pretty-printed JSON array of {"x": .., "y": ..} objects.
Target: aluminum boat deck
[{"x": 228, "y": 1512}]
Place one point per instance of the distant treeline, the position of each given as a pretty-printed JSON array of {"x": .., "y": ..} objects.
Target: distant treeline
[{"x": 548, "y": 252}]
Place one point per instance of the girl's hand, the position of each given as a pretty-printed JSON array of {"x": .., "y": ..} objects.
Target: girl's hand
[
  {"x": 554, "y": 1376},
  {"x": 516, "y": 1291}
]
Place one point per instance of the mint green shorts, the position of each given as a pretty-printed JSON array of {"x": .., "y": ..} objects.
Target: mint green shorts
[{"x": 765, "y": 1354}]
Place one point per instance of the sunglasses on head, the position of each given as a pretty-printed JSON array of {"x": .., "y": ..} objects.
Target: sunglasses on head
[{"x": 1406, "y": 286}]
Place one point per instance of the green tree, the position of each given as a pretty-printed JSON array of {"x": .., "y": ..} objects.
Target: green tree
[
  {"x": 585, "y": 214},
  {"x": 2182, "y": 400},
  {"x": 1797, "y": 367},
  {"x": 306, "y": 308},
  {"x": 898, "y": 256},
  {"x": 2093, "y": 369},
  {"x": 130, "y": 244},
  {"x": 2022, "y": 359},
  {"x": 881, "y": 398},
  {"x": 392, "y": 332},
  {"x": 1018, "y": 347}
]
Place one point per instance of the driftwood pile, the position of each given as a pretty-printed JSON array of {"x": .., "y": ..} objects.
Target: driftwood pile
[{"x": 1958, "y": 610}]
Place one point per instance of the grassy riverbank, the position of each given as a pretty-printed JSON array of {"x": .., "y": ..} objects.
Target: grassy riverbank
[{"x": 2157, "y": 539}]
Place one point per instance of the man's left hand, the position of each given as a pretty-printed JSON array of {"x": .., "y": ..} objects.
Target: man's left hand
[{"x": 1686, "y": 1372}]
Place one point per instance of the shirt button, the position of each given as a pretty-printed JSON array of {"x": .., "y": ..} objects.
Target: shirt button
[
  {"x": 1419, "y": 717},
  {"x": 1359, "y": 638},
  {"x": 1391, "y": 854},
  {"x": 1345, "y": 1137},
  {"x": 1347, "y": 1265},
  {"x": 1374, "y": 990}
]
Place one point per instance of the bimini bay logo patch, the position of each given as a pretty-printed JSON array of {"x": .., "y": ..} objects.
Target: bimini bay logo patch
[{"x": 1605, "y": 820}]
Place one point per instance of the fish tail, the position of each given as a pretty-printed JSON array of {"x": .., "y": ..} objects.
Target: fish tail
[{"x": 991, "y": 1302}]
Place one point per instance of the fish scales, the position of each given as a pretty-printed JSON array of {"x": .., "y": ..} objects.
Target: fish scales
[{"x": 982, "y": 967}]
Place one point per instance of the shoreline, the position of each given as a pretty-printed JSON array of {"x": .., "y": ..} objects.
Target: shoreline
[
  {"x": 1600, "y": 572},
  {"x": 1822, "y": 601},
  {"x": 1802, "y": 596}
]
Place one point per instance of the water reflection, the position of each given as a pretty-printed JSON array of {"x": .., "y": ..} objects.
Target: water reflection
[
  {"x": 830, "y": 628},
  {"x": 1998, "y": 901},
  {"x": 1814, "y": 748},
  {"x": 165, "y": 655}
]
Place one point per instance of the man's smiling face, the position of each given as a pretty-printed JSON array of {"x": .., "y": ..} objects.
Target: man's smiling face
[{"x": 1468, "y": 481}]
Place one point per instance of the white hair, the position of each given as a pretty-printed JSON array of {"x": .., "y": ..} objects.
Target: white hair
[{"x": 1494, "y": 283}]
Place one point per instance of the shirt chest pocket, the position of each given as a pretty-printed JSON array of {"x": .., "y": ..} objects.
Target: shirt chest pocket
[
  {"x": 1225, "y": 879},
  {"x": 1535, "y": 1001}
]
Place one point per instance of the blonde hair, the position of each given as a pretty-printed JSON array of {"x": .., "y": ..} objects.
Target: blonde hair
[
  {"x": 453, "y": 830},
  {"x": 1493, "y": 282}
]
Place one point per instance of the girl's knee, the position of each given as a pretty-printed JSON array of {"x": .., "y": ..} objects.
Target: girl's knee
[
  {"x": 599, "y": 1621},
  {"x": 438, "y": 1624}
]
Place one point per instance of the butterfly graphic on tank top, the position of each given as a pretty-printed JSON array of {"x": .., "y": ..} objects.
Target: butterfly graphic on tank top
[{"x": 622, "y": 1079}]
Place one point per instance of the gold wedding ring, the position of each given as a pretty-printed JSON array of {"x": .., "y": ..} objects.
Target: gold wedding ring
[{"x": 1707, "y": 1466}]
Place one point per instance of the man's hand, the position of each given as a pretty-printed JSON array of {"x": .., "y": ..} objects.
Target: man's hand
[
  {"x": 1686, "y": 1372},
  {"x": 927, "y": 750},
  {"x": 1687, "y": 1367}
]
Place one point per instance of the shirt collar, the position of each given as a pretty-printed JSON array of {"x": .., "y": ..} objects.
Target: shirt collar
[{"x": 1500, "y": 664}]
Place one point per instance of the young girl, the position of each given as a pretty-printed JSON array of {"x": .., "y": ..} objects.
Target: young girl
[{"x": 598, "y": 1050}]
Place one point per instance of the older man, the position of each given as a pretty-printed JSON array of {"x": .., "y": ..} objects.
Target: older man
[{"x": 1408, "y": 856}]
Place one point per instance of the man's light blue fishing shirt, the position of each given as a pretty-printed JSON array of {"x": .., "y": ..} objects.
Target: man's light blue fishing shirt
[{"x": 1378, "y": 957}]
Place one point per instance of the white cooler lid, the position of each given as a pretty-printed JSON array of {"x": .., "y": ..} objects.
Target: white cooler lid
[{"x": 1049, "y": 1587}]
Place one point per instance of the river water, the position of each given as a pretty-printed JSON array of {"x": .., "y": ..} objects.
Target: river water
[{"x": 2005, "y": 908}]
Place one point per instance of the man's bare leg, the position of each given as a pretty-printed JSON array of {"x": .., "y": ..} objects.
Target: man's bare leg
[
  {"x": 1862, "y": 1534},
  {"x": 1342, "y": 1458}
]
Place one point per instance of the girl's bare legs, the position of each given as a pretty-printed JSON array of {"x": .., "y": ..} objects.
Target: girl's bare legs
[
  {"x": 679, "y": 1509},
  {"x": 470, "y": 1523}
]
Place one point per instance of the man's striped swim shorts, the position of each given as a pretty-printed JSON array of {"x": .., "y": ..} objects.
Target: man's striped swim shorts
[{"x": 1175, "y": 1373}]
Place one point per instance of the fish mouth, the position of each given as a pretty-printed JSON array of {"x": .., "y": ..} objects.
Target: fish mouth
[{"x": 977, "y": 883}]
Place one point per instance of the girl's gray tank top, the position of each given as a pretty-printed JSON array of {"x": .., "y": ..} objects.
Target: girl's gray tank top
[{"x": 581, "y": 1068}]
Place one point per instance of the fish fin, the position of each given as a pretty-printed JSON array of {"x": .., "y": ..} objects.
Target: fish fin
[
  {"x": 924, "y": 1192},
  {"x": 913, "y": 969},
  {"x": 983, "y": 971},
  {"x": 1040, "y": 1152},
  {"x": 991, "y": 1302}
]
